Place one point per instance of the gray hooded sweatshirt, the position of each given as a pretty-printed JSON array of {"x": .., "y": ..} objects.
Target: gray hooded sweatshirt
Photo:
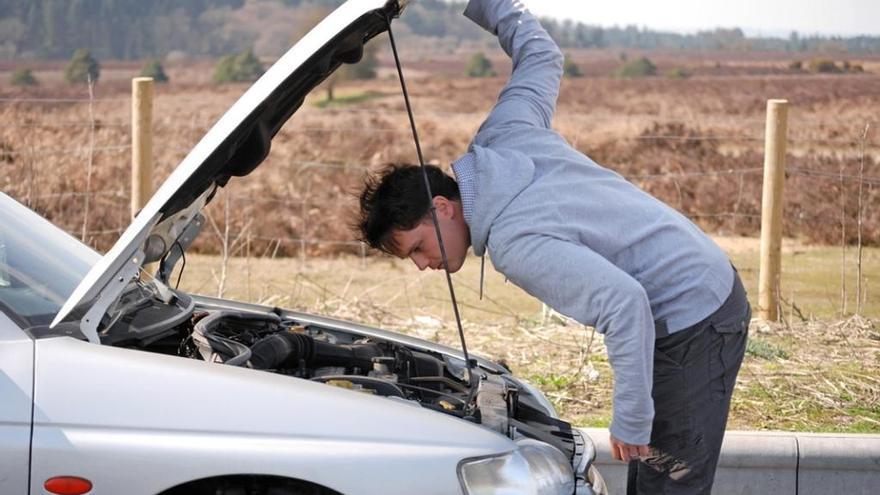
[{"x": 574, "y": 234}]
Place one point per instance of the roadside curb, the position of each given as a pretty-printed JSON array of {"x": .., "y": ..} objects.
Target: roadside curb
[{"x": 757, "y": 462}]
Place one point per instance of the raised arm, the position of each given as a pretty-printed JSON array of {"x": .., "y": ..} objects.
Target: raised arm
[
  {"x": 580, "y": 283},
  {"x": 529, "y": 98}
]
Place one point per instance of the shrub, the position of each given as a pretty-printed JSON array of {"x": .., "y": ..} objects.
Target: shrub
[
  {"x": 678, "y": 73},
  {"x": 823, "y": 66},
  {"x": 479, "y": 66},
  {"x": 23, "y": 77},
  {"x": 153, "y": 68},
  {"x": 641, "y": 67},
  {"x": 765, "y": 350},
  {"x": 82, "y": 68},
  {"x": 241, "y": 67},
  {"x": 570, "y": 69}
]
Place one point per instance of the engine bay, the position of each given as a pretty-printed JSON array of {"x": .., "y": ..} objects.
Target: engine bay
[
  {"x": 268, "y": 342},
  {"x": 271, "y": 342}
]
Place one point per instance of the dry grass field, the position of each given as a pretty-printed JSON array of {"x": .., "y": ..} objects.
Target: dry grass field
[{"x": 695, "y": 142}]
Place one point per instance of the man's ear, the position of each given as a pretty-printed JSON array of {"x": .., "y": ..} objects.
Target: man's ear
[{"x": 444, "y": 207}]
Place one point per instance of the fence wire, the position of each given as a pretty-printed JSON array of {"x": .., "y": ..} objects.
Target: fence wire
[{"x": 37, "y": 159}]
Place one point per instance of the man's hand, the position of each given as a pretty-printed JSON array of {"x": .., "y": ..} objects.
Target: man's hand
[{"x": 626, "y": 452}]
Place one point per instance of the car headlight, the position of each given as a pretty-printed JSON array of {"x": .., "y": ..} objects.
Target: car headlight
[{"x": 535, "y": 468}]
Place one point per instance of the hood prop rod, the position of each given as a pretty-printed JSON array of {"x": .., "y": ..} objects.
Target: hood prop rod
[{"x": 471, "y": 376}]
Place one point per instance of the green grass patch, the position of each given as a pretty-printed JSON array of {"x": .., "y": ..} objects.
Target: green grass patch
[
  {"x": 811, "y": 280},
  {"x": 765, "y": 350},
  {"x": 593, "y": 421},
  {"x": 552, "y": 381},
  {"x": 348, "y": 99}
]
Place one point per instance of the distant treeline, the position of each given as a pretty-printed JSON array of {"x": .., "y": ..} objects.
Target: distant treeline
[
  {"x": 571, "y": 34},
  {"x": 119, "y": 29},
  {"x": 135, "y": 29}
]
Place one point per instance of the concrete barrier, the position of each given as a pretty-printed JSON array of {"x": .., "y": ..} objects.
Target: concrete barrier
[{"x": 777, "y": 463}]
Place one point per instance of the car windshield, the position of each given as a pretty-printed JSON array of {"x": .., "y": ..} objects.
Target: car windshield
[{"x": 40, "y": 264}]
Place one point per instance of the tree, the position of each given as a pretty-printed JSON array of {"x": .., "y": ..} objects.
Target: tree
[
  {"x": 365, "y": 68},
  {"x": 23, "y": 77},
  {"x": 248, "y": 65},
  {"x": 479, "y": 66},
  {"x": 570, "y": 69},
  {"x": 153, "y": 68},
  {"x": 82, "y": 68},
  {"x": 240, "y": 67},
  {"x": 362, "y": 70}
]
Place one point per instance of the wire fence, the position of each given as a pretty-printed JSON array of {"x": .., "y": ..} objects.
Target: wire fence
[{"x": 299, "y": 209}]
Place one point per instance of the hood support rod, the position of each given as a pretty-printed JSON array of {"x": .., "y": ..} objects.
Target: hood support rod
[{"x": 412, "y": 122}]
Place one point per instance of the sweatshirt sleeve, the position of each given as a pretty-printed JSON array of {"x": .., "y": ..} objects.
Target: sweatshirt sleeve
[
  {"x": 529, "y": 97},
  {"x": 578, "y": 282}
]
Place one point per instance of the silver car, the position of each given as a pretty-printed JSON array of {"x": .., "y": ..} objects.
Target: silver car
[{"x": 112, "y": 382}]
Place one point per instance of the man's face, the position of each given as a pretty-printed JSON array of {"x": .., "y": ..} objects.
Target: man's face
[{"x": 420, "y": 243}]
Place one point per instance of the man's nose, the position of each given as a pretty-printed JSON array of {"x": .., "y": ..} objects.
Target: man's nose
[{"x": 420, "y": 261}]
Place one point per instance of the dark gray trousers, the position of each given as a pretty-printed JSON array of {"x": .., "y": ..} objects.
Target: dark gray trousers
[{"x": 694, "y": 373}]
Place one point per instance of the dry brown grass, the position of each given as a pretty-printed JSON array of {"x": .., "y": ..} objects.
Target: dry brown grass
[{"x": 705, "y": 125}]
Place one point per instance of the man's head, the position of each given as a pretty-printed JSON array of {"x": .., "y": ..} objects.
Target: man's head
[{"x": 395, "y": 216}]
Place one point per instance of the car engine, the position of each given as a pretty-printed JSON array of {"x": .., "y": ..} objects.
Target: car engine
[{"x": 270, "y": 342}]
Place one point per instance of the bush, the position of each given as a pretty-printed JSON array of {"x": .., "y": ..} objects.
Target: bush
[
  {"x": 82, "y": 68},
  {"x": 153, "y": 68},
  {"x": 241, "y": 67},
  {"x": 678, "y": 73},
  {"x": 570, "y": 69},
  {"x": 23, "y": 77},
  {"x": 479, "y": 66},
  {"x": 641, "y": 67},
  {"x": 823, "y": 66},
  {"x": 796, "y": 65}
]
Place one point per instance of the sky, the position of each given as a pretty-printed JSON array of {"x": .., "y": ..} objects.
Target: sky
[{"x": 755, "y": 17}]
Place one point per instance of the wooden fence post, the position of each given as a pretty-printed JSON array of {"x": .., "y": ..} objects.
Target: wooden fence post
[
  {"x": 141, "y": 142},
  {"x": 775, "y": 140}
]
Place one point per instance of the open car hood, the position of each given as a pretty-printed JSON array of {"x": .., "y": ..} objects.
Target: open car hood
[{"x": 234, "y": 146}]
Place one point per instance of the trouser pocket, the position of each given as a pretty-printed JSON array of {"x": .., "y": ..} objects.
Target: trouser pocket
[{"x": 727, "y": 350}]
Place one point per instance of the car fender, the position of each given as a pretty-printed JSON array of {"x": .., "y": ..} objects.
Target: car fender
[{"x": 113, "y": 415}]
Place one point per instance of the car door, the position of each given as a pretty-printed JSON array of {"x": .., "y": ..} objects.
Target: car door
[{"x": 16, "y": 404}]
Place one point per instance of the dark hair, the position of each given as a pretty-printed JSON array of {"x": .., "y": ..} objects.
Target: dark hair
[{"x": 395, "y": 199}]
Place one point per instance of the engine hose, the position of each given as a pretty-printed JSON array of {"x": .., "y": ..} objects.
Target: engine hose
[
  {"x": 285, "y": 350},
  {"x": 282, "y": 350}
]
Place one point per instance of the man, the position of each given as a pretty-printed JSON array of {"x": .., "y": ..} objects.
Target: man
[{"x": 592, "y": 246}]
